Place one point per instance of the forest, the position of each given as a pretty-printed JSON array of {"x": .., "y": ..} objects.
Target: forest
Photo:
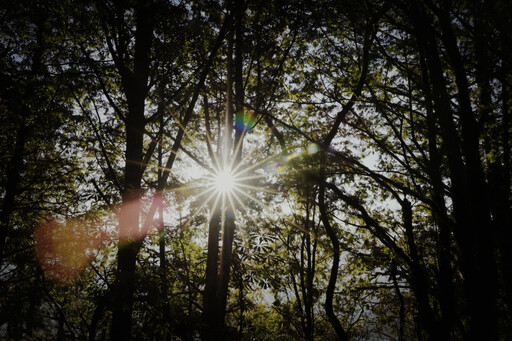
[{"x": 255, "y": 170}]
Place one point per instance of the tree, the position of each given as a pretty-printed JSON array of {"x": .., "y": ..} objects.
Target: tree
[{"x": 255, "y": 170}]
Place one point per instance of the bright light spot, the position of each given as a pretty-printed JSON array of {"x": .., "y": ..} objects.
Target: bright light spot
[
  {"x": 313, "y": 148},
  {"x": 224, "y": 181}
]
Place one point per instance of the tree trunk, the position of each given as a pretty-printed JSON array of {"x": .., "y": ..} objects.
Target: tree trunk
[
  {"x": 164, "y": 287},
  {"x": 419, "y": 281},
  {"x": 24, "y": 108},
  {"x": 331, "y": 287},
  {"x": 13, "y": 179},
  {"x": 468, "y": 185},
  {"x": 135, "y": 88},
  {"x": 218, "y": 272},
  {"x": 446, "y": 273},
  {"x": 228, "y": 233},
  {"x": 210, "y": 291}
]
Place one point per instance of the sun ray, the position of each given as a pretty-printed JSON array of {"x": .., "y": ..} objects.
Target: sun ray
[
  {"x": 233, "y": 206},
  {"x": 257, "y": 164},
  {"x": 192, "y": 140},
  {"x": 215, "y": 159},
  {"x": 250, "y": 177},
  {"x": 266, "y": 190},
  {"x": 297, "y": 226},
  {"x": 267, "y": 159},
  {"x": 209, "y": 189},
  {"x": 198, "y": 209},
  {"x": 235, "y": 159},
  {"x": 183, "y": 128},
  {"x": 213, "y": 209},
  {"x": 250, "y": 197},
  {"x": 185, "y": 187},
  {"x": 242, "y": 163},
  {"x": 223, "y": 215},
  {"x": 239, "y": 201}
]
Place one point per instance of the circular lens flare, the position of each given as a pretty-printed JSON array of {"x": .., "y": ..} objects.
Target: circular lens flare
[{"x": 224, "y": 181}]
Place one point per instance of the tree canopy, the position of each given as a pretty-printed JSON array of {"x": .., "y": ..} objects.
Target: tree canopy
[{"x": 255, "y": 170}]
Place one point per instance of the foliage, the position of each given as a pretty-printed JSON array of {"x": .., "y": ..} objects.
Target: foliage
[{"x": 369, "y": 142}]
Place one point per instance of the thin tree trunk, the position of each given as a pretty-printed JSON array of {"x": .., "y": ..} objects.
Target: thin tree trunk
[
  {"x": 210, "y": 291},
  {"x": 225, "y": 264},
  {"x": 227, "y": 219},
  {"x": 401, "y": 314},
  {"x": 12, "y": 182},
  {"x": 446, "y": 273},
  {"x": 229, "y": 214},
  {"x": 505, "y": 240},
  {"x": 15, "y": 165},
  {"x": 212, "y": 311},
  {"x": 329, "y": 295},
  {"x": 166, "y": 313},
  {"x": 468, "y": 185},
  {"x": 419, "y": 280}
]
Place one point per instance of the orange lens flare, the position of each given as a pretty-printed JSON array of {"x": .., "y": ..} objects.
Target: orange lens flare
[{"x": 64, "y": 250}]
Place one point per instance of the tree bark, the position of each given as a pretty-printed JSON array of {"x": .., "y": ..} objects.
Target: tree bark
[
  {"x": 218, "y": 270},
  {"x": 228, "y": 232},
  {"x": 210, "y": 291},
  {"x": 419, "y": 281},
  {"x": 469, "y": 193},
  {"x": 329, "y": 294},
  {"x": 12, "y": 182},
  {"x": 136, "y": 89},
  {"x": 23, "y": 107}
]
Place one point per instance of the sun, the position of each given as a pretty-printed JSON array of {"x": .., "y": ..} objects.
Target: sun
[
  {"x": 224, "y": 181},
  {"x": 227, "y": 185}
]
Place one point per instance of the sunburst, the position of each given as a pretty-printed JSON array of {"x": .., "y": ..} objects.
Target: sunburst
[
  {"x": 226, "y": 186},
  {"x": 229, "y": 182},
  {"x": 224, "y": 181}
]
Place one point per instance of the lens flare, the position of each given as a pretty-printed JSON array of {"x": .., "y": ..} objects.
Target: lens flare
[
  {"x": 246, "y": 121},
  {"x": 65, "y": 249}
]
